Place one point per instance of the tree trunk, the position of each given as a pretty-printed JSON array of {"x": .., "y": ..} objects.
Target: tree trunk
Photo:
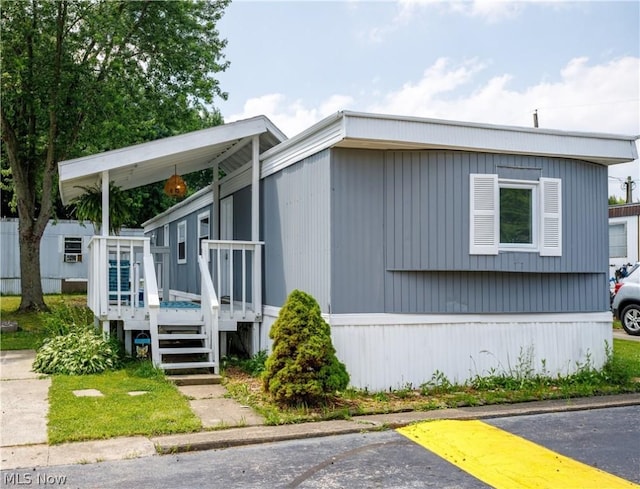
[{"x": 30, "y": 278}]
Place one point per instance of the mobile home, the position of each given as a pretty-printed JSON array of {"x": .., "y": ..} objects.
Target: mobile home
[{"x": 431, "y": 246}]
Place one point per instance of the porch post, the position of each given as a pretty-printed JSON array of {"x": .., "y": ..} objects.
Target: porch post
[
  {"x": 105, "y": 203},
  {"x": 255, "y": 236},
  {"x": 255, "y": 190},
  {"x": 216, "y": 201}
]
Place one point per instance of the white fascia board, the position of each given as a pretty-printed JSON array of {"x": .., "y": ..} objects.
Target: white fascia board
[
  {"x": 322, "y": 135},
  {"x": 152, "y": 150},
  {"x": 362, "y": 130},
  {"x": 197, "y": 201},
  {"x": 271, "y": 127},
  {"x": 599, "y": 148}
]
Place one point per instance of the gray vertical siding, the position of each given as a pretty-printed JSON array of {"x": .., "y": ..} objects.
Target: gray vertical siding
[
  {"x": 296, "y": 231},
  {"x": 423, "y": 238},
  {"x": 184, "y": 276},
  {"x": 427, "y": 218},
  {"x": 357, "y": 231},
  {"x": 242, "y": 214},
  {"x": 493, "y": 292},
  {"x": 242, "y": 232}
]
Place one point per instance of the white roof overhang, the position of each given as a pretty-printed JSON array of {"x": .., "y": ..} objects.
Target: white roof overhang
[
  {"x": 373, "y": 131},
  {"x": 229, "y": 145}
]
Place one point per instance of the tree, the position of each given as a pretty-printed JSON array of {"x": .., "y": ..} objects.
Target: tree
[
  {"x": 303, "y": 367},
  {"x": 613, "y": 200},
  {"x": 83, "y": 77},
  {"x": 89, "y": 206}
]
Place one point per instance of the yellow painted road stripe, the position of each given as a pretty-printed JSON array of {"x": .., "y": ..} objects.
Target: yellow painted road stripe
[{"x": 506, "y": 461}]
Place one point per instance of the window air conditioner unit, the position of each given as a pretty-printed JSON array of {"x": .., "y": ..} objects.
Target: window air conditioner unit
[{"x": 72, "y": 258}]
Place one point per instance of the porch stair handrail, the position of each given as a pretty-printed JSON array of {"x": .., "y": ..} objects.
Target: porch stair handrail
[
  {"x": 152, "y": 304},
  {"x": 210, "y": 307}
]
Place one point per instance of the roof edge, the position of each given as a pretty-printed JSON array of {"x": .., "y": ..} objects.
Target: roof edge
[{"x": 482, "y": 125}]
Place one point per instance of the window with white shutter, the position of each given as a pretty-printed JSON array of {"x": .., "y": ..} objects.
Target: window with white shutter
[
  {"x": 514, "y": 215},
  {"x": 484, "y": 214},
  {"x": 551, "y": 226}
]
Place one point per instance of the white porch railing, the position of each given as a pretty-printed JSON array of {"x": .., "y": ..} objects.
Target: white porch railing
[
  {"x": 114, "y": 274},
  {"x": 210, "y": 308},
  {"x": 152, "y": 303},
  {"x": 236, "y": 271}
]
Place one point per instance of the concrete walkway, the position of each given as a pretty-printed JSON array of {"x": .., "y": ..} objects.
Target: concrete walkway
[
  {"x": 24, "y": 401},
  {"x": 24, "y": 410}
]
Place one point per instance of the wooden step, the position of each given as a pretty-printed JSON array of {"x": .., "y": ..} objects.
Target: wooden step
[
  {"x": 184, "y": 322},
  {"x": 195, "y": 379},
  {"x": 183, "y": 351},
  {"x": 186, "y": 365},
  {"x": 182, "y": 336}
]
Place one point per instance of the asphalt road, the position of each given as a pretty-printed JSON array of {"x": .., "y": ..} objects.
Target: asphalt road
[{"x": 605, "y": 438}]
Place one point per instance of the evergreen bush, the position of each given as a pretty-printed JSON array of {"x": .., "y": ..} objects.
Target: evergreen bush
[{"x": 303, "y": 367}]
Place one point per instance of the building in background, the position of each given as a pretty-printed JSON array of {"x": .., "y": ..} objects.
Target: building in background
[
  {"x": 63, "y": 256},
  {"x": 624, "y": 235}
]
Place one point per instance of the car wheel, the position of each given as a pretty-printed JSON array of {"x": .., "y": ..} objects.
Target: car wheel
[{"x": 630, "y": 319}]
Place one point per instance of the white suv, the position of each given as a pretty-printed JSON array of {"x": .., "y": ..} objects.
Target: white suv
[{"x": 626, "y": 303}]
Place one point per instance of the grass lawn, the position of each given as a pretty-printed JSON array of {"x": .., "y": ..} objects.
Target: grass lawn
[
  {"x": 29, "y": 336},
  {"x": 628, "y": 352},
  {"x": 163, "y": 410},
  {"x": 622, "y": 375}
]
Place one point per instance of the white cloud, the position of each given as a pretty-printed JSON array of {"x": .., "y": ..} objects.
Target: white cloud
[
  {"x": 290, "y": 116},
  {"x": 585, "y": 97},
  {"x": 597, "y": 98},
  {"x": 594, "y": 98},
  {"x": 490, "y": 11}
]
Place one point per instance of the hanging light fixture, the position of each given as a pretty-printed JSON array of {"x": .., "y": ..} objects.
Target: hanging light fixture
[{"x": 175, "y": 186}]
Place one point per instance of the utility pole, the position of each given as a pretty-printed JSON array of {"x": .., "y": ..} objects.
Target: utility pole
[{"x": 629, "y": 185}]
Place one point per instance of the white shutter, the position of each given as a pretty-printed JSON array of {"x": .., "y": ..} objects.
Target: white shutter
[
  {"x": 551, "y": 211},
  {"x": 484, "y": 214}
]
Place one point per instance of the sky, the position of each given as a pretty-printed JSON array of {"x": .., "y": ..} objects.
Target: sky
[{"x": 496, "y": 62}]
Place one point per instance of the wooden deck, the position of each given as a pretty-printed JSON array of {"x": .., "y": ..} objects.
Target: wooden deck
[{"x": 123, "y": 286}]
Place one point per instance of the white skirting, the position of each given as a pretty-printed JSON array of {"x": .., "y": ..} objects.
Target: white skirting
[{"x": 390, "y": 351}]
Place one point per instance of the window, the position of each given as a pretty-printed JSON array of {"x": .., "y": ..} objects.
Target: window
[
  {"x": 618, "y": 240},
  {"x": 517, "y": 216},
  {"x": 72, "y": 249},
  {"x": 203, "y": 229},
  {"x": 513, "y": 215},
  {"x": 182, "y": 242}
]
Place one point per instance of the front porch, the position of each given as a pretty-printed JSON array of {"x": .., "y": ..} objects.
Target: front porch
[
  {"x": 128, "y": 285},
  {"x": 129, "y": 279}
]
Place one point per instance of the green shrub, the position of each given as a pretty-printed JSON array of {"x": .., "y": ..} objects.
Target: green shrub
[
  {"x": 65, "y": 318},
  {"x": 303, "y": 367},
  {"x": 253, "y": 366},
  {"x": 80, "y": 352}
]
